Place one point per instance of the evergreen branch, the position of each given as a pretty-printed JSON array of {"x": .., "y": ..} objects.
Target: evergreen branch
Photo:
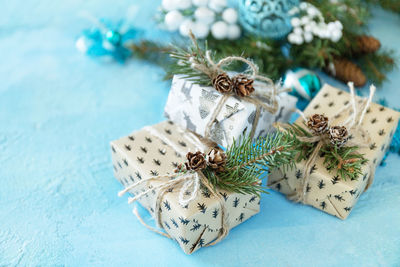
[
  {"x": 248, "y": 161},
  {"x": 344, "y": 160}
]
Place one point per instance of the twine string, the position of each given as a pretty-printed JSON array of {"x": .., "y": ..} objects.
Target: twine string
[{"x": 354, "y": 121}]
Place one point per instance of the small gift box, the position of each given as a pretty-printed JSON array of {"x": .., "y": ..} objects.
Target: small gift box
[
  {"x": 193, "y": 106},
  {"x": 158, "y": 151},
  {"x": 333, "y": 178}
]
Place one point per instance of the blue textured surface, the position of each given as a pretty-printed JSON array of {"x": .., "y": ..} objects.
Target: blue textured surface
[{"x": 58, "y": 197}]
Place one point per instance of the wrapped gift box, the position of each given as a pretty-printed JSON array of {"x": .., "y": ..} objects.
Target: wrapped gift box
[
  {"x": 191, "y": 106},
  {"x": 150, "y": 152},
  {"x": 325, "y": 190}
]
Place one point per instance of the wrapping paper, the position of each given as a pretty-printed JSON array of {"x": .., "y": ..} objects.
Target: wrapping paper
[
  {"x": 141, "y": 155},
  {"x": 191, "y": 106},
  {"x": 326, "y": 191}
]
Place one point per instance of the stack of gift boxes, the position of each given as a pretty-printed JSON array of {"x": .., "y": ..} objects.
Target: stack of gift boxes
[{"x": 159, "y": 149}]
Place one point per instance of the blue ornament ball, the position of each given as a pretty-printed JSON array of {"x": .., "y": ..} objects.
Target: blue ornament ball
[
  {"x": 267, "y": 18},
  {"x": 303, "y": 82},
  {"x": 114, "y": 37}
]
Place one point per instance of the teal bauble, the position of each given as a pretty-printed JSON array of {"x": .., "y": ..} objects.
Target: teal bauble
[
  {"x": 113, "y": 37},
  {"x": 267, "y": 18},
  {"x": 304, "y": 83}
]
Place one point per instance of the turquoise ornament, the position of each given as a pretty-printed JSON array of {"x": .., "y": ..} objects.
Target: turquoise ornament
[
  {"x": 304, "y": 83},
  {"x": 114, "y": 37},
  {"x": 267, "y": 18}
]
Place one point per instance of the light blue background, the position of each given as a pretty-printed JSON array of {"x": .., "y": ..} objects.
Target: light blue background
[{"x": 58, "y": 198}]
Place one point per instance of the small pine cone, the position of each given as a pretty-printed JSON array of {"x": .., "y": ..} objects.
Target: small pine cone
[
  {"x": 318, "y": 124},
  {"x": 367, "y": 44},
  {"x": 196, "y": 161},
  {"x": 216, "y": 159},
  {"x": 347, "y": 71},
  {"x": 222, "y": 83},
  {"x": 338, "y": 135},
  {"x": 243, "y": 85}
]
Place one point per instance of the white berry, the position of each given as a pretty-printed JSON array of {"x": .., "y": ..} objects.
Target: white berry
[
  {"x": 295, "y": 22},
  {"x": 173, "y": 20},
  {"x": 291, "y": 38},
  {"x": 234, "y": 32},
  {"x": 169, "y": 5},
  {"x": 336, "y": 36},
  {"x": 200, "y": 2},
  {"x": 305, "y": 20},
  {"x": 201, "y": 30},
  {"x": 81, "y": 44},
  {"x": 184, "y": 4},
  {"x": 205, "y": 15},
  {"x": 217, "y": 5},
  {"x": 186, "y": 26},
  {"x": 339, "y": 25},
  {"x": 219, "y": 30},
  {"x": 298, "y": 31},
  {"x": 308, "y": 37},
  {"x": 303, "y": 6},
  {"x": 230, "y": 15}
]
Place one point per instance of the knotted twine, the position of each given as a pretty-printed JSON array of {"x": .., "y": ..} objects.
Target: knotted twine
[
  {"x": 352, "y": 123},
  {"x": 214, "y": 69},
  {"x": 190, "y": 179}
]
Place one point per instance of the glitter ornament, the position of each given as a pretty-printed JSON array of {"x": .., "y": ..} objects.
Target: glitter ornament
[
  {"x": 303, "y": 82},
  {"x": 267, "y": 18}
]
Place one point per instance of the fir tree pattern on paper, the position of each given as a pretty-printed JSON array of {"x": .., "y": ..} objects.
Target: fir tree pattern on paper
[{"x": 194, "y": 225}]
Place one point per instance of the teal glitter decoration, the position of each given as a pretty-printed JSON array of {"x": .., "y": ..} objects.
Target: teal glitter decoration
[
  {"x": 395, "y": 145},
  {"x": 266, "y": 18},
  {"x": 304, "y": 83}
]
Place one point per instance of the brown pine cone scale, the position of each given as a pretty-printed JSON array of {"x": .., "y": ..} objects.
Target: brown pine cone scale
[{"x": 347, "y": 71}]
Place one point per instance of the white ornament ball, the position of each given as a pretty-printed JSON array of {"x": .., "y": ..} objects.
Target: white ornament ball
[
  {"x": 169, "y": 5},
  {"x": 186, "y": 26},
  {"x": 205, "y": 15},
  {"x": 200, "y": 2},
  {"x": 295, "y": 22},
  {"x": 201, "y": 30},
  {"x": 234, "y": 32},
  {"x": 184, "y": 4},
  {"x": 219, "y": 30},
  {"x": 173, "y": 20},
  {"x": 230, "y": 15},
  {"x": 217, "y": 5},
  {"x": 308, "y": 37}
]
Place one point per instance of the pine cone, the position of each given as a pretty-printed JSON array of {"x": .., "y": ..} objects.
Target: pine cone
[
  {"x": 196, "y": 161},
  {"x": 216, "y": 159},
  {"x": 222, "y": 83},
  {"x": 367, "y": 44},
  {"x": 243, "y": 85},
  {"x": 347, "y": 71},
  {"x": 318, "y": 124},
  {"x": 338, "y": 135}
]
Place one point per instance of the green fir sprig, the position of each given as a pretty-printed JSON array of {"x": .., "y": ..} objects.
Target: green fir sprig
[
  {"x": 248, "y": 161},
  {"x": 345, "y": 160}
]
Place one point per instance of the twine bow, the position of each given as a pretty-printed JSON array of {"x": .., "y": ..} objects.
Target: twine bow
[
  {"x": 261, "y": 98},
  {"x": 189, "y": 181},
  {"x": 353, "y": 124}
]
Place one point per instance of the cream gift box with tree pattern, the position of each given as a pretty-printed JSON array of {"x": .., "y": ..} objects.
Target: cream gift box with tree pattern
[
  {"x": 149, "y": 152},
  {"x": 191, "y": 106},
  {"x": 325, "y": 189}
]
